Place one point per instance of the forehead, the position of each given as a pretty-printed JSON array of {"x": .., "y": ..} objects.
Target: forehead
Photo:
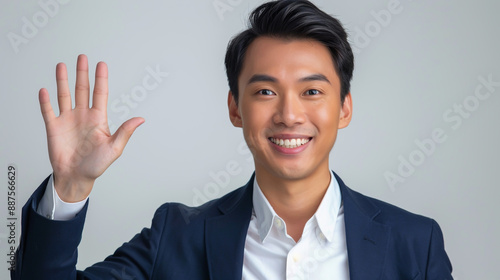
[{"x": 287, "y": 59}]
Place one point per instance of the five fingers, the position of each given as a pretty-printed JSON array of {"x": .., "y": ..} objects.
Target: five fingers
[{"x": 100, "y": 97}]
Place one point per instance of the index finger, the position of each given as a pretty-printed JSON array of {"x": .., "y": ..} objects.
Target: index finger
[{"x": 100, "y": 96}]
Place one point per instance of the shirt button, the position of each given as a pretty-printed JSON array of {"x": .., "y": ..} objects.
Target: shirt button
[
  {"x": 296, "y": 258},
  {"x": 322, "y": 237},
  {"x": 279, "y": 223}
]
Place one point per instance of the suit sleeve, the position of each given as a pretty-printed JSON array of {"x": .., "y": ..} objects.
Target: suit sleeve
[
  {"x": 438, "y": 264},
  {"x": 48, "y": 248}
]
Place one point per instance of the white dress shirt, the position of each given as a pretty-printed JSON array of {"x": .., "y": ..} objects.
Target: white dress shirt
[
  {"x": 52, "y": 207},
  {"x": 321, "y": 252},
  {"x": 270, "y": 253}
]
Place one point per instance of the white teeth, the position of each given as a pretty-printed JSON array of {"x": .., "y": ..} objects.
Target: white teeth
[
  {"x": 290, "y": 143},
  {"x": 299, "y": 142}
]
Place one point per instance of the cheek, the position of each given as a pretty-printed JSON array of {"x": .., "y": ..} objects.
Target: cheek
[
  {"x": 326, "y": 122},
  {"x": 325, "y": 117},
  {"x": 255, "y": 120}
]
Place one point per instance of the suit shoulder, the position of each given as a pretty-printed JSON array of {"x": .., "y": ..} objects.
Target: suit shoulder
[
  {"x": 179, "y": 212},
  {"x": 396, "y": 217}
]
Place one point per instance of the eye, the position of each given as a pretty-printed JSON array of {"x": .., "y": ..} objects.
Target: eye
[
  {"x": 265, "y": 92},
  {"x": 312, "y": 92}
]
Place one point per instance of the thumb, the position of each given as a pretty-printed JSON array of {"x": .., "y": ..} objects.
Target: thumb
[{"x": 124, "y": 132}]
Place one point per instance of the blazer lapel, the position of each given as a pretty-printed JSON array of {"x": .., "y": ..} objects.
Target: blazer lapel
[
  {"x": 225, "y": 235},
  {"x": 366, "y": 239}
]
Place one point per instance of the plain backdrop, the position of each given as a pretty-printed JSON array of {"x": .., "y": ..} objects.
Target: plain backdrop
[{"x": 425, "y": 93}]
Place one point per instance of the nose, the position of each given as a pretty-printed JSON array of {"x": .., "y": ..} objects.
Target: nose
[{"x": 289, "y": 110}]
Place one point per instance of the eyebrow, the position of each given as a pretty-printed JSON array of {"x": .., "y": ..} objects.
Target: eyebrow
[
  {"x": 315, "y": 77},
  {"x": 266, "y": 78},
  {"x": 262, "y": 78}
]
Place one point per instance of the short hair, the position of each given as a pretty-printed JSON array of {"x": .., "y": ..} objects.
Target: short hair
[{"x": 292, "y": 19}]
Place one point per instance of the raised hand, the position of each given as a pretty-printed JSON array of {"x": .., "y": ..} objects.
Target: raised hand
[{"x": 81, "y": 146}]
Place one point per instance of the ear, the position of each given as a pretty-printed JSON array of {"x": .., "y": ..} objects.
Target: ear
[
  {"x": 234, "y": 112},
  {"x": 346, "y": 112}
]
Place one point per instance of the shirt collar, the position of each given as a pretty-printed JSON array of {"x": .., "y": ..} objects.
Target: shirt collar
[
  {"x": 325, "y": 216},
  {"x": 264, "y": 212}
]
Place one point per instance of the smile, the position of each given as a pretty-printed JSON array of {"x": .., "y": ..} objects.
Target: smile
[{"x": 289, "y": 143}]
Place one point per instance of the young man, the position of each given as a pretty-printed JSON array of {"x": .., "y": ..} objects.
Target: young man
[{"x": 289, "y": 76}]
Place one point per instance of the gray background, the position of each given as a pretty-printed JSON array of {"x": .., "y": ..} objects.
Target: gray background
[{"x": 411, "y": 70}]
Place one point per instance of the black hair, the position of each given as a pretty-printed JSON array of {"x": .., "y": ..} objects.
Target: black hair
[{"x": 292, "y": 19}]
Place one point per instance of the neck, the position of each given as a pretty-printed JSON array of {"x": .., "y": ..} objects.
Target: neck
[{"x": 295, "y": 200}]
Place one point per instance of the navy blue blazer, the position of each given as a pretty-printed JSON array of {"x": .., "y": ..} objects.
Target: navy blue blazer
[{"x": 207, "y": 242}]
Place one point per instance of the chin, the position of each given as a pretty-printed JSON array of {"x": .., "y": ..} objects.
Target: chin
[{"x": 292, "y": 173}]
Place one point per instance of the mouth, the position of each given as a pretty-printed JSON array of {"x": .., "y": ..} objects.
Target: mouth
[{"x": 290, "y": 143}]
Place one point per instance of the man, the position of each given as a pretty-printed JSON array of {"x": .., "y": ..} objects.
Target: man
[{"x": 289, "y": 76}]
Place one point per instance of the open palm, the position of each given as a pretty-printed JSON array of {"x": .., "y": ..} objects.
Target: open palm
[{"x": 80, "y": 144}]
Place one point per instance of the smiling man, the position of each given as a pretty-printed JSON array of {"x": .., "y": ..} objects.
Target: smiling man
[
  {"x": 290, "y": 108},
  {"x": 289, "y": 77}
]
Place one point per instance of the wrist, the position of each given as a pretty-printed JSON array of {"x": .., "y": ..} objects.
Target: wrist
[{"x": 72, "y": 189}]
